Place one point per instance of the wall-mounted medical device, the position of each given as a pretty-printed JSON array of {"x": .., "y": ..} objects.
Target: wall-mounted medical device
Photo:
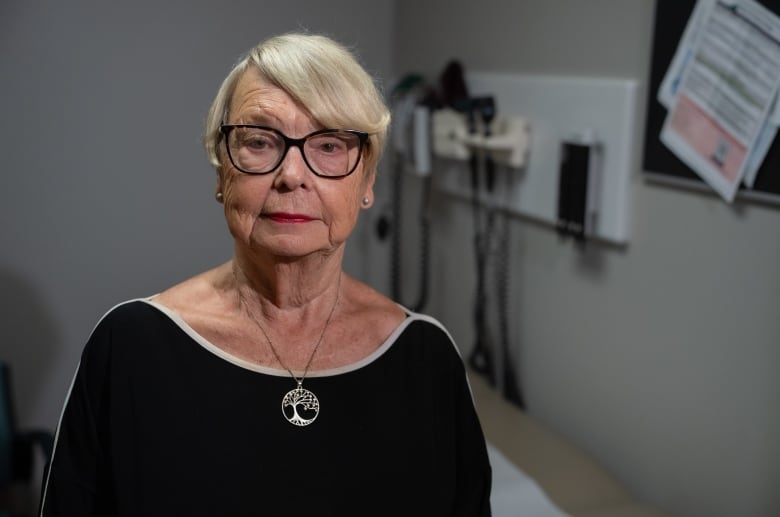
[
  {"x": 445, "y": 124},
  {"x": 455, "y": 137},
  {"x": 579, "y": 185},
  {"x": 421, "y": 144},
  {"x": 411, "y": 130},
  {"x": 411, "y": 142},
  {"x": 549, "y": 110}
]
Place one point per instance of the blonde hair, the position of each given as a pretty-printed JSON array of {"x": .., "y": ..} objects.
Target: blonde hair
[{"x": 321, "y": 75}]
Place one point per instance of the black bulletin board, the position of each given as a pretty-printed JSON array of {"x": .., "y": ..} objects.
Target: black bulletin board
[{"x": 671, "y": 17}]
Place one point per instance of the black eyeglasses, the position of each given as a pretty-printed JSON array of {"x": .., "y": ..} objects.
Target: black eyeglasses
[{"x": 329, "y": 153}]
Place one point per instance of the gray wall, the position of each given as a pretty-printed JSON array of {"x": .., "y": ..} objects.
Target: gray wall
[
  {"x": 660, "y": 359},
  {"x": 106, "y": 192}
]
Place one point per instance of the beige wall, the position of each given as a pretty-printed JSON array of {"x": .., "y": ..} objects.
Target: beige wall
[{"x": 659, "y": 359}]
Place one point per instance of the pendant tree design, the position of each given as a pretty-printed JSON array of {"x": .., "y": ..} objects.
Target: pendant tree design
[{"x": 306, "y": 400}]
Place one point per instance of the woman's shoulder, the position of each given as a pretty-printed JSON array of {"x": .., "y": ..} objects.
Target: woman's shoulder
[
  {"x": 202, "y": 302},
  {"x": 196, "y": 291},
  {"x": 128, "y": 322},
  {"x": 127, "y": 311},
  {"x": 365, "y": 319},
  {"x": 369, "y": 305},
  {"x": 360, "y": 299},
  {"x": 133, "y": 320}
]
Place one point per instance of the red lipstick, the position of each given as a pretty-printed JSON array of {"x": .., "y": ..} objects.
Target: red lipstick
[{"x": 283, "y": 217}]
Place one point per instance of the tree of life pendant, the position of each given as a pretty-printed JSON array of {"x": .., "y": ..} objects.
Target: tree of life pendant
[{"x": 300, "y": 406}]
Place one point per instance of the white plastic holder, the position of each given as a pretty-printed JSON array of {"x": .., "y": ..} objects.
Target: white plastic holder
[
  {"x": 508, "y": 143},
  {"x": 421, "y": 145},
  {"x": 450, "y": 131}
]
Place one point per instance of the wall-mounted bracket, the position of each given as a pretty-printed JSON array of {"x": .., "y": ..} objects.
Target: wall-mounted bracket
[
  {"x": 450, "y": 131},
  {"x": 555, "y": 108},
  {"x": 508, "y": 143}
]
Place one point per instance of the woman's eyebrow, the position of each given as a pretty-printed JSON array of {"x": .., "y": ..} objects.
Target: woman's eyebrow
[{"x": 256, "y": 118}]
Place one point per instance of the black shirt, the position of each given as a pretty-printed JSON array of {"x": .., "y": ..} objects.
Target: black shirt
[{"x": 160, "y": 422}]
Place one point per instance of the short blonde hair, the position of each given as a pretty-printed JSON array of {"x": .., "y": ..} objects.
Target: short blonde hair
[{"x": 321, "y": 75}]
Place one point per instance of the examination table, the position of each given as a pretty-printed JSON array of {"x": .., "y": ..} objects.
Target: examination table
[{"x": 537, "y": 473}]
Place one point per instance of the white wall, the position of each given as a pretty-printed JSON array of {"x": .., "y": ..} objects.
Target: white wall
[
  {"x": 105, "y": 192},
  {"x": 659, "y": 359}
]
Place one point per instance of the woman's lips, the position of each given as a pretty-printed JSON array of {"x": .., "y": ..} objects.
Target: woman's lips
[{"x": 281, "y": 217}]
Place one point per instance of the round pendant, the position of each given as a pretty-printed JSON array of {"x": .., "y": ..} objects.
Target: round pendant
[{"x": 300, "y": 406}]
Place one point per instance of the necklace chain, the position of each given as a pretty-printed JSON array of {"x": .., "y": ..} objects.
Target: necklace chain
[{"x": 242, "y": 302}]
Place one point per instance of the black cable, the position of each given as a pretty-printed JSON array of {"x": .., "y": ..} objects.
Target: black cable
[
  {"x": 481, "y": 358},
  {"x": 511, "y": 387}
]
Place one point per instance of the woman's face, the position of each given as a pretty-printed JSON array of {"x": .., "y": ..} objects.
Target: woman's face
[{"x": 289, "y": 212}]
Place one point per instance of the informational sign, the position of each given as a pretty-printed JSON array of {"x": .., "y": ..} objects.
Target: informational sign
[{"x": 720, "y": 91}]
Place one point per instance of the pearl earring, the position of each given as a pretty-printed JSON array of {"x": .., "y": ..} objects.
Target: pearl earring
[
  {"x": 219, "y": 196},
  {"x": 365, "y": 201}
]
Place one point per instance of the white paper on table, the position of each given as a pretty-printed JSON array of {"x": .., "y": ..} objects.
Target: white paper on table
[{"x": 514, "y": 493}]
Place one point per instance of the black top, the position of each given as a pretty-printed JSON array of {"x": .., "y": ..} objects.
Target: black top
[{"x": 160, "y": 422}]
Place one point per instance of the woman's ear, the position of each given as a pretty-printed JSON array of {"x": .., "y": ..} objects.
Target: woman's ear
[
  {"x": 367, "y": 200},
  {"x": 219, "y": 193}
]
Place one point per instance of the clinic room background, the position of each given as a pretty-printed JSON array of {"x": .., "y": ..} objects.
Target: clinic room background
[{"x": 657, "y": 355}]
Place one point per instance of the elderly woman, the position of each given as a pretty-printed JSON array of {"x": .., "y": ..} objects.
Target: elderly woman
[{"x": 275, "y": 383}]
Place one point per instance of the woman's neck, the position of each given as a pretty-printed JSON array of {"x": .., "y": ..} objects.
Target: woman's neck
[{"x": 286, "y": 284}]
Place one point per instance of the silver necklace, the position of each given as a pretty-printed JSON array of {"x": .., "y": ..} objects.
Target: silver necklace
[{"x": 299, "y": 406}]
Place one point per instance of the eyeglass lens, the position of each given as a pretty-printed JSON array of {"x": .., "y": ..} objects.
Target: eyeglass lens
[{"x": 259, "y": 150}]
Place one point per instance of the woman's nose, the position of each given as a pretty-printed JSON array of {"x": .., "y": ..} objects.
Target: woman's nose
[{"x": 293, "y": 171}]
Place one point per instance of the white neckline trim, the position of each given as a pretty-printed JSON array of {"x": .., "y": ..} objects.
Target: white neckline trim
[{"x": 176, "y": 318}]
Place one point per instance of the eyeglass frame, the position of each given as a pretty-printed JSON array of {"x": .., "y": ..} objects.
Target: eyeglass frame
[{"x": 225, "y": 129}]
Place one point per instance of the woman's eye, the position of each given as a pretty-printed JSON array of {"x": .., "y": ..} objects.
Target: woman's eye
[
  {"x": 257, "y": 141},
  {"x": 331, "y": 145}
]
